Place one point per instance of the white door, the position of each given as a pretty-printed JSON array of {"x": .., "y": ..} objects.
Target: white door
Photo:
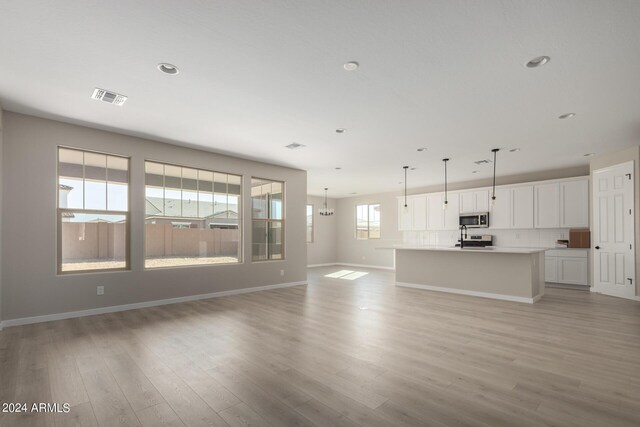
[
  {"x": 481, "y": 200},
  {"x": 613, "y": 231},
  {"x": 467, "y": 202}
]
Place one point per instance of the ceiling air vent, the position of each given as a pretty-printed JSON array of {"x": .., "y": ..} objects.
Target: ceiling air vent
[
  {"x": 109, "y": 97},
  {"x": 294, "y": 146},
  {"x": 482, "y": 162}
]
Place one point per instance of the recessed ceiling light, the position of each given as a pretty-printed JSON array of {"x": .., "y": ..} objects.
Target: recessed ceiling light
[
  {"x": 168, "y": 68},
  {"x": 514, "y": 150},
  {"x": 353, "y": 193},
  {"x": 413, "y": 169},
  {"x": 351, "y": 66},
  {"x": 538, "y": 62},
  {"x": 294, "y": 145},
  {"x": 422, "y": 149},
  {"x": 341, "y": 130},
  {"x": 338, "y": 168},
  {"x": 475, "y": 171},
  {"x": 589, "y": 154},
  {"x": 566, "y": 116}
]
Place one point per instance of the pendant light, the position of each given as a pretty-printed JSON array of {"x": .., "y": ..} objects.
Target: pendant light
[
  {"x": 405, "y": 185},
  {"x": 325, "y": 211},
  {"x": 493, "y": 195},
  {"x": 446, "y": 201}
]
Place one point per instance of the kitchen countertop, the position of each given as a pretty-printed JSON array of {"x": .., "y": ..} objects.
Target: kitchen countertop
[{"x": 489, "y": 249}]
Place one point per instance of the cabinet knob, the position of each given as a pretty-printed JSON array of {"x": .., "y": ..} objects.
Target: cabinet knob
[{"x": 597, "y": 247}]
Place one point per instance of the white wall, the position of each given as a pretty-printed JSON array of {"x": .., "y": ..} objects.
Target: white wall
[
  {"x": 323, "y": 249},
  {"x": 30, "y": 284},
  {"x": 609, "y": 159}
]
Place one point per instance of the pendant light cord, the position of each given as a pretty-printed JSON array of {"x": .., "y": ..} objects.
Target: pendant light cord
[
  {"x": 405, "y": 185},
  {"x": 495, "y": 152},
  {"x": 445, "y": 180}
]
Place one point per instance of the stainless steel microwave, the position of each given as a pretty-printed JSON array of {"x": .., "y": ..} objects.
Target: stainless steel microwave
[{"x": 475, "y": 220}]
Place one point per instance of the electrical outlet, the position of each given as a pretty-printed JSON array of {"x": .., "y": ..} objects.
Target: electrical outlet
[
  {"x": 100, "y": 290},
  {"x": 282, "y": 272}
]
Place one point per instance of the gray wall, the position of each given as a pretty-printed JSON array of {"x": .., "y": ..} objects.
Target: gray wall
[
  {"x": 610, "y": 159},
  {"x": 30, "y": 284},
  {"x": 1, "y": 169},
  {"x": 324, "y": 249}
]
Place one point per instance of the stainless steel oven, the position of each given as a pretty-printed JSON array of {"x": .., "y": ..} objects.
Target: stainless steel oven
[{"x": 475, "y": 220}]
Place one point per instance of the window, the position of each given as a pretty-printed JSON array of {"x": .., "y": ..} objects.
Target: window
[
  {"x": 93, "y": 211},
  {"x": 309, "y": 223},
  {"x": 192, "y": 216},
  {"x": 368, "y": 221},
  {"x": 267, "y": 207}
]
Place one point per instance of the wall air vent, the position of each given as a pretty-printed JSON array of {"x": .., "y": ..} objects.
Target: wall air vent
[
  {"x": 109, "y": 97},
  {"x": 294, "y": 146},
  {"x": 482, "y": 162}
]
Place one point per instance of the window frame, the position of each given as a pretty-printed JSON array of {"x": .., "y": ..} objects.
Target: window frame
[
  {"x": 268, "y": 220},
  {"x": 60, "y": 211},
  {"x": 313, "y": 224},
  {"x": 241, "y": 258},
  {"x": 368, "y": 205}
]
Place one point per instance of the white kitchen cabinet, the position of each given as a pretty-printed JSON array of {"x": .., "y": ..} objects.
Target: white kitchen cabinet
[
  {"x": 500, "y": 215},
  {"x": 567, "y": 266},
  {"x": 435, "y": 213},
  {"x": 513, "y": 208},
  {"x": 551, "y": 269},
  {"x": 474, "y": 201},
  {"x": 547, "y": 205},
  {"x": 574, "y": 203},
  {"x": 522, "y": 207},
  {"x": 419, "y": 205},
  {"x": 414, "y": 216},
  {"x": 452, "y": 213}
]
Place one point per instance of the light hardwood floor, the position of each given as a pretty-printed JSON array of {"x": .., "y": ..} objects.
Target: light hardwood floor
[{"x": 335, "y": 353}]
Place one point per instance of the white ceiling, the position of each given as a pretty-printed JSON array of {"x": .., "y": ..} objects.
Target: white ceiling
[{"x": 258, "y": 75}]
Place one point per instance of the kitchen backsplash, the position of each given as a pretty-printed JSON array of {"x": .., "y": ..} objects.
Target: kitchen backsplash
[{"x": 511, "y": 238}]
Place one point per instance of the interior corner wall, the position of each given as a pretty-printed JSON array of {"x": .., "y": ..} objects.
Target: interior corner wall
[
  {"x": 611, "y": 159},
  {"x": 31, "y": 286},
  {"x": 368, "y": 252},
  {"x": 1, "y": 149},
  {"x": 324, "y": 248}
]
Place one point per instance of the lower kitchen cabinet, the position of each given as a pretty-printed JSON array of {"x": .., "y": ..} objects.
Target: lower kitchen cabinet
[{"x": 567, "y": 266}]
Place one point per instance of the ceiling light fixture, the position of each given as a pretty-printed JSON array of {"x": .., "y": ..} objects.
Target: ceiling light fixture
[
  {"x": 341, "y": 130},
  {"x": 422, "y": 149},
  {"x": 294, "y": 146},
  {"x": 446, "y": 202},
  {"x": 566, "y": 116},
  {"x": 170, "y": 69},
  {"x": 351, "y": 66},
  {"x": 538, "y": 62},
  {"x": 493, "y": 196},
  {"x": 589, "y": 154},
  {"x": 338, "y": 168},
  {"x": 325, "y": 211},
  {"x": 405, "y": 185},
  {"x": 475, "y": 171},
  {"x": 514, "y": 150}
]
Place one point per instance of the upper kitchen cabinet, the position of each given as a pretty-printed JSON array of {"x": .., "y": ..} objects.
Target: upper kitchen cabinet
[
  {"x": 439, "y": 218},
  {"x": 562, "y": 204},
  {"x": 414, "y": 216},
  {"x": 574, "y": 203},
  {"x": 513, "y": 208},
  {"x": 547, "y": 205},
  {"x": 474, "y": 201}
]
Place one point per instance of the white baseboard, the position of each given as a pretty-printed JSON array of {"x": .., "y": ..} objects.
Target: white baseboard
[
  {"x": 347, "y": 264},
  {"x": 471, "y": 293},
  {"x": 133, "y": 306}
]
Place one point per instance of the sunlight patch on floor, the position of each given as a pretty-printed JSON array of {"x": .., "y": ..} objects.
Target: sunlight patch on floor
[{"x": 347, "y": 274}]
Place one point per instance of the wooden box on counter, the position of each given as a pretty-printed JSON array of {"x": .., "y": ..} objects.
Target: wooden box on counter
[{"x": 580, "y": 238}]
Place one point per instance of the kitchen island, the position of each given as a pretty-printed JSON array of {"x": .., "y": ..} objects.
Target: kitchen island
[{"x": 513, "y": 274}]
